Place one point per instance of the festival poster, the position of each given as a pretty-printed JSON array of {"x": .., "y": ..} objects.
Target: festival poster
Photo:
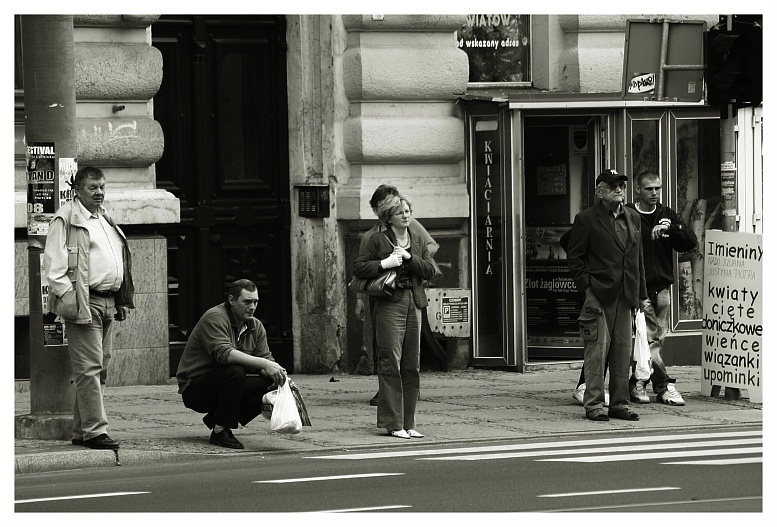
[
  {"x": 732, "y": 327},
  {"x": 41, "y": 201}
]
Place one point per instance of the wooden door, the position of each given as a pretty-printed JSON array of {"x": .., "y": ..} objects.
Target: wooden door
[{"x": 222, "y": 106}]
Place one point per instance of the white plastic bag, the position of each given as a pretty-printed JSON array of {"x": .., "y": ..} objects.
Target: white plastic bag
[
  {"x": 285, "y": 416},
  {"x": 641, "y": 349},
  {"x": 268, "y": 403}
]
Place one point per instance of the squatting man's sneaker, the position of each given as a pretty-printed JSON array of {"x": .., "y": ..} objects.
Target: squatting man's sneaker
[
  {"x": 638, "y": 393},
  {"x": 671, "y": 396},
  {"x": 579, "y": 392}
]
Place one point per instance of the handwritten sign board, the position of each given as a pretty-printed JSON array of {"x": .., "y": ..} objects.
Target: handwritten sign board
[{"x": 732, "y": 327}]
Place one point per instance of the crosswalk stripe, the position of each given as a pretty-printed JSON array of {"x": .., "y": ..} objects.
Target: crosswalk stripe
[
  {"x": 733, "y": 461},
  {"x": 658, "y": 455},
  {"x": 529, "y": 446},
  {"x": 597, "y": 450}
]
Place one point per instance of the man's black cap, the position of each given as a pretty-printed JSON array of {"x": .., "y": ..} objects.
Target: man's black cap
[{"x": 610, "y": 176}]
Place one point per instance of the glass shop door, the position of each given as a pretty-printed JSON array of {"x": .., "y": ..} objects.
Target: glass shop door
[{"x": 561, "y": 157}]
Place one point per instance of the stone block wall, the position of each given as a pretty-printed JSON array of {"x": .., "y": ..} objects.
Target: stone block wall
[{"x": 402, "y": 75}]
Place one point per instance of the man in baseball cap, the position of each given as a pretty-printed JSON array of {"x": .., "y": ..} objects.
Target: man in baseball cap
[
  {"x": 604, "y": 255},
  {"x": 610, "y": 176}
]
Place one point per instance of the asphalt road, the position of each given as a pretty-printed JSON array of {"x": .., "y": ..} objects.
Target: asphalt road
[{"x": 709, "y": 471}]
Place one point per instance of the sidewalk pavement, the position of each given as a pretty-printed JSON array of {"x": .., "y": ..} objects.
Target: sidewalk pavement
[{"x": 153, "y": 426}]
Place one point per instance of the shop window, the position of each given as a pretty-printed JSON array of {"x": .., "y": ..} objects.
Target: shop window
[
  {"x": 690, "y": 173},
  {"x": 696, "y": 168},
  {"x": 498, "y": 47}
]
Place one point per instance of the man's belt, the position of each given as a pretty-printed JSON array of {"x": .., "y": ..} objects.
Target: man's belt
[{"x": 105, "y": 294}]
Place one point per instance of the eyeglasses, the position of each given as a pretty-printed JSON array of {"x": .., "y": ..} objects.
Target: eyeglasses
[{"x": 612, "y": 187}]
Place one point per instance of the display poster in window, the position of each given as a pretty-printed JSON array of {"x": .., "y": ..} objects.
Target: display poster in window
[
  {"x": 552, "y": 301},
  {"x": 497, "y": 47},
  {"x": 552, "y": 180},
  {"x": 732, "y": 327}
]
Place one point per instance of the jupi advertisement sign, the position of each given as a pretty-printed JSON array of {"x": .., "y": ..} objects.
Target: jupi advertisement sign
[{"x": 733, "y": 313}]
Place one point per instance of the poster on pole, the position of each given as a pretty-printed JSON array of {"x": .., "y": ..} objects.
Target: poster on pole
[
  {"x": 68, "y": 167},
  {"x": 41, "y": 200},
  {"x": 54, "y": 332},
  {"x": 732, "y": 327}
]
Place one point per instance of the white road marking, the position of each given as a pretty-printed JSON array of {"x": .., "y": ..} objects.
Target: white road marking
[
  {"x": 325, "y": 478},
  {"x": 658, "y": 455},
  {"x": 362, "y": 509},
  {"x": 598, "y": 492},
  {"x": 614, "y": 448},
  {"x": 81, "y": 497},
  {"x": 733, "y": 461},
  {"x": 529, "y": 446},
  {"x": 655, "y": 504}
]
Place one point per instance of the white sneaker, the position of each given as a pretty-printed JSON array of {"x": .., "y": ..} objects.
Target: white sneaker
[
  {"x": 671, "y": 396},
  {"x": 579, "y": 392},
  {"x": 577, "y": 395}
]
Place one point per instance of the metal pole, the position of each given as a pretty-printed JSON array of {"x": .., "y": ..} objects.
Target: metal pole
[{"x": 49, "y": 102}]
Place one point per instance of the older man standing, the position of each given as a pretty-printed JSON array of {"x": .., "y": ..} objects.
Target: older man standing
[
  {"x": 87, "y": 263},
  {"x": 605, "y": 258}
]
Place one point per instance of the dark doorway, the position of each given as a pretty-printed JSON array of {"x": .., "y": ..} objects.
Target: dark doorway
[{"x": 223, "y": 108}]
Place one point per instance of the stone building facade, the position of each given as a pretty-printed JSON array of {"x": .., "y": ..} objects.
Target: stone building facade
[{"x": 371, "y": 100}]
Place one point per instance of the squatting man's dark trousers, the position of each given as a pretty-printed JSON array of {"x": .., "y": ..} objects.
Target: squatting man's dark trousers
[{"x": 228, "y": 395}]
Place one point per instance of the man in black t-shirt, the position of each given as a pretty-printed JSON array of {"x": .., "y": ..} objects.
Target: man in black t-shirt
[{"x": 662, "y": 232}]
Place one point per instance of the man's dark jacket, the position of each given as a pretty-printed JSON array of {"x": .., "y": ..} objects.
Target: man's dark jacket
[
  {"x": 597, "y": 258},
  {"x": 659, "y": 260}
]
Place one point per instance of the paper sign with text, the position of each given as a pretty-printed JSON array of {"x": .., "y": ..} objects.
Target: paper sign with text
[{"x": 732, "y": 327}]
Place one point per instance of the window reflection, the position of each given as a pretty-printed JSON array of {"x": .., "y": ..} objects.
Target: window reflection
[
  {"x": 698, "y": 203},
  {"x": 691, "y": 187}
]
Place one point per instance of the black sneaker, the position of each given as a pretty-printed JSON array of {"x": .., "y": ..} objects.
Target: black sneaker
[
  {"x": 77, "y": 441},
  {"x": 101, "y": 442},
  {"x": 225, "y": 439}
]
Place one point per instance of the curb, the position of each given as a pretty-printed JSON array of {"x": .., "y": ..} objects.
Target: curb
[
  {"x": 58, "y": 461},
  {"x": 85, "y": 459}
]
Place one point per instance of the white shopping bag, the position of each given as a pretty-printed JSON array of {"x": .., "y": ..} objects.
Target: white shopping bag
[
  {"x": 285, "y": 416},
  {"x": 641, "y": 349}
]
